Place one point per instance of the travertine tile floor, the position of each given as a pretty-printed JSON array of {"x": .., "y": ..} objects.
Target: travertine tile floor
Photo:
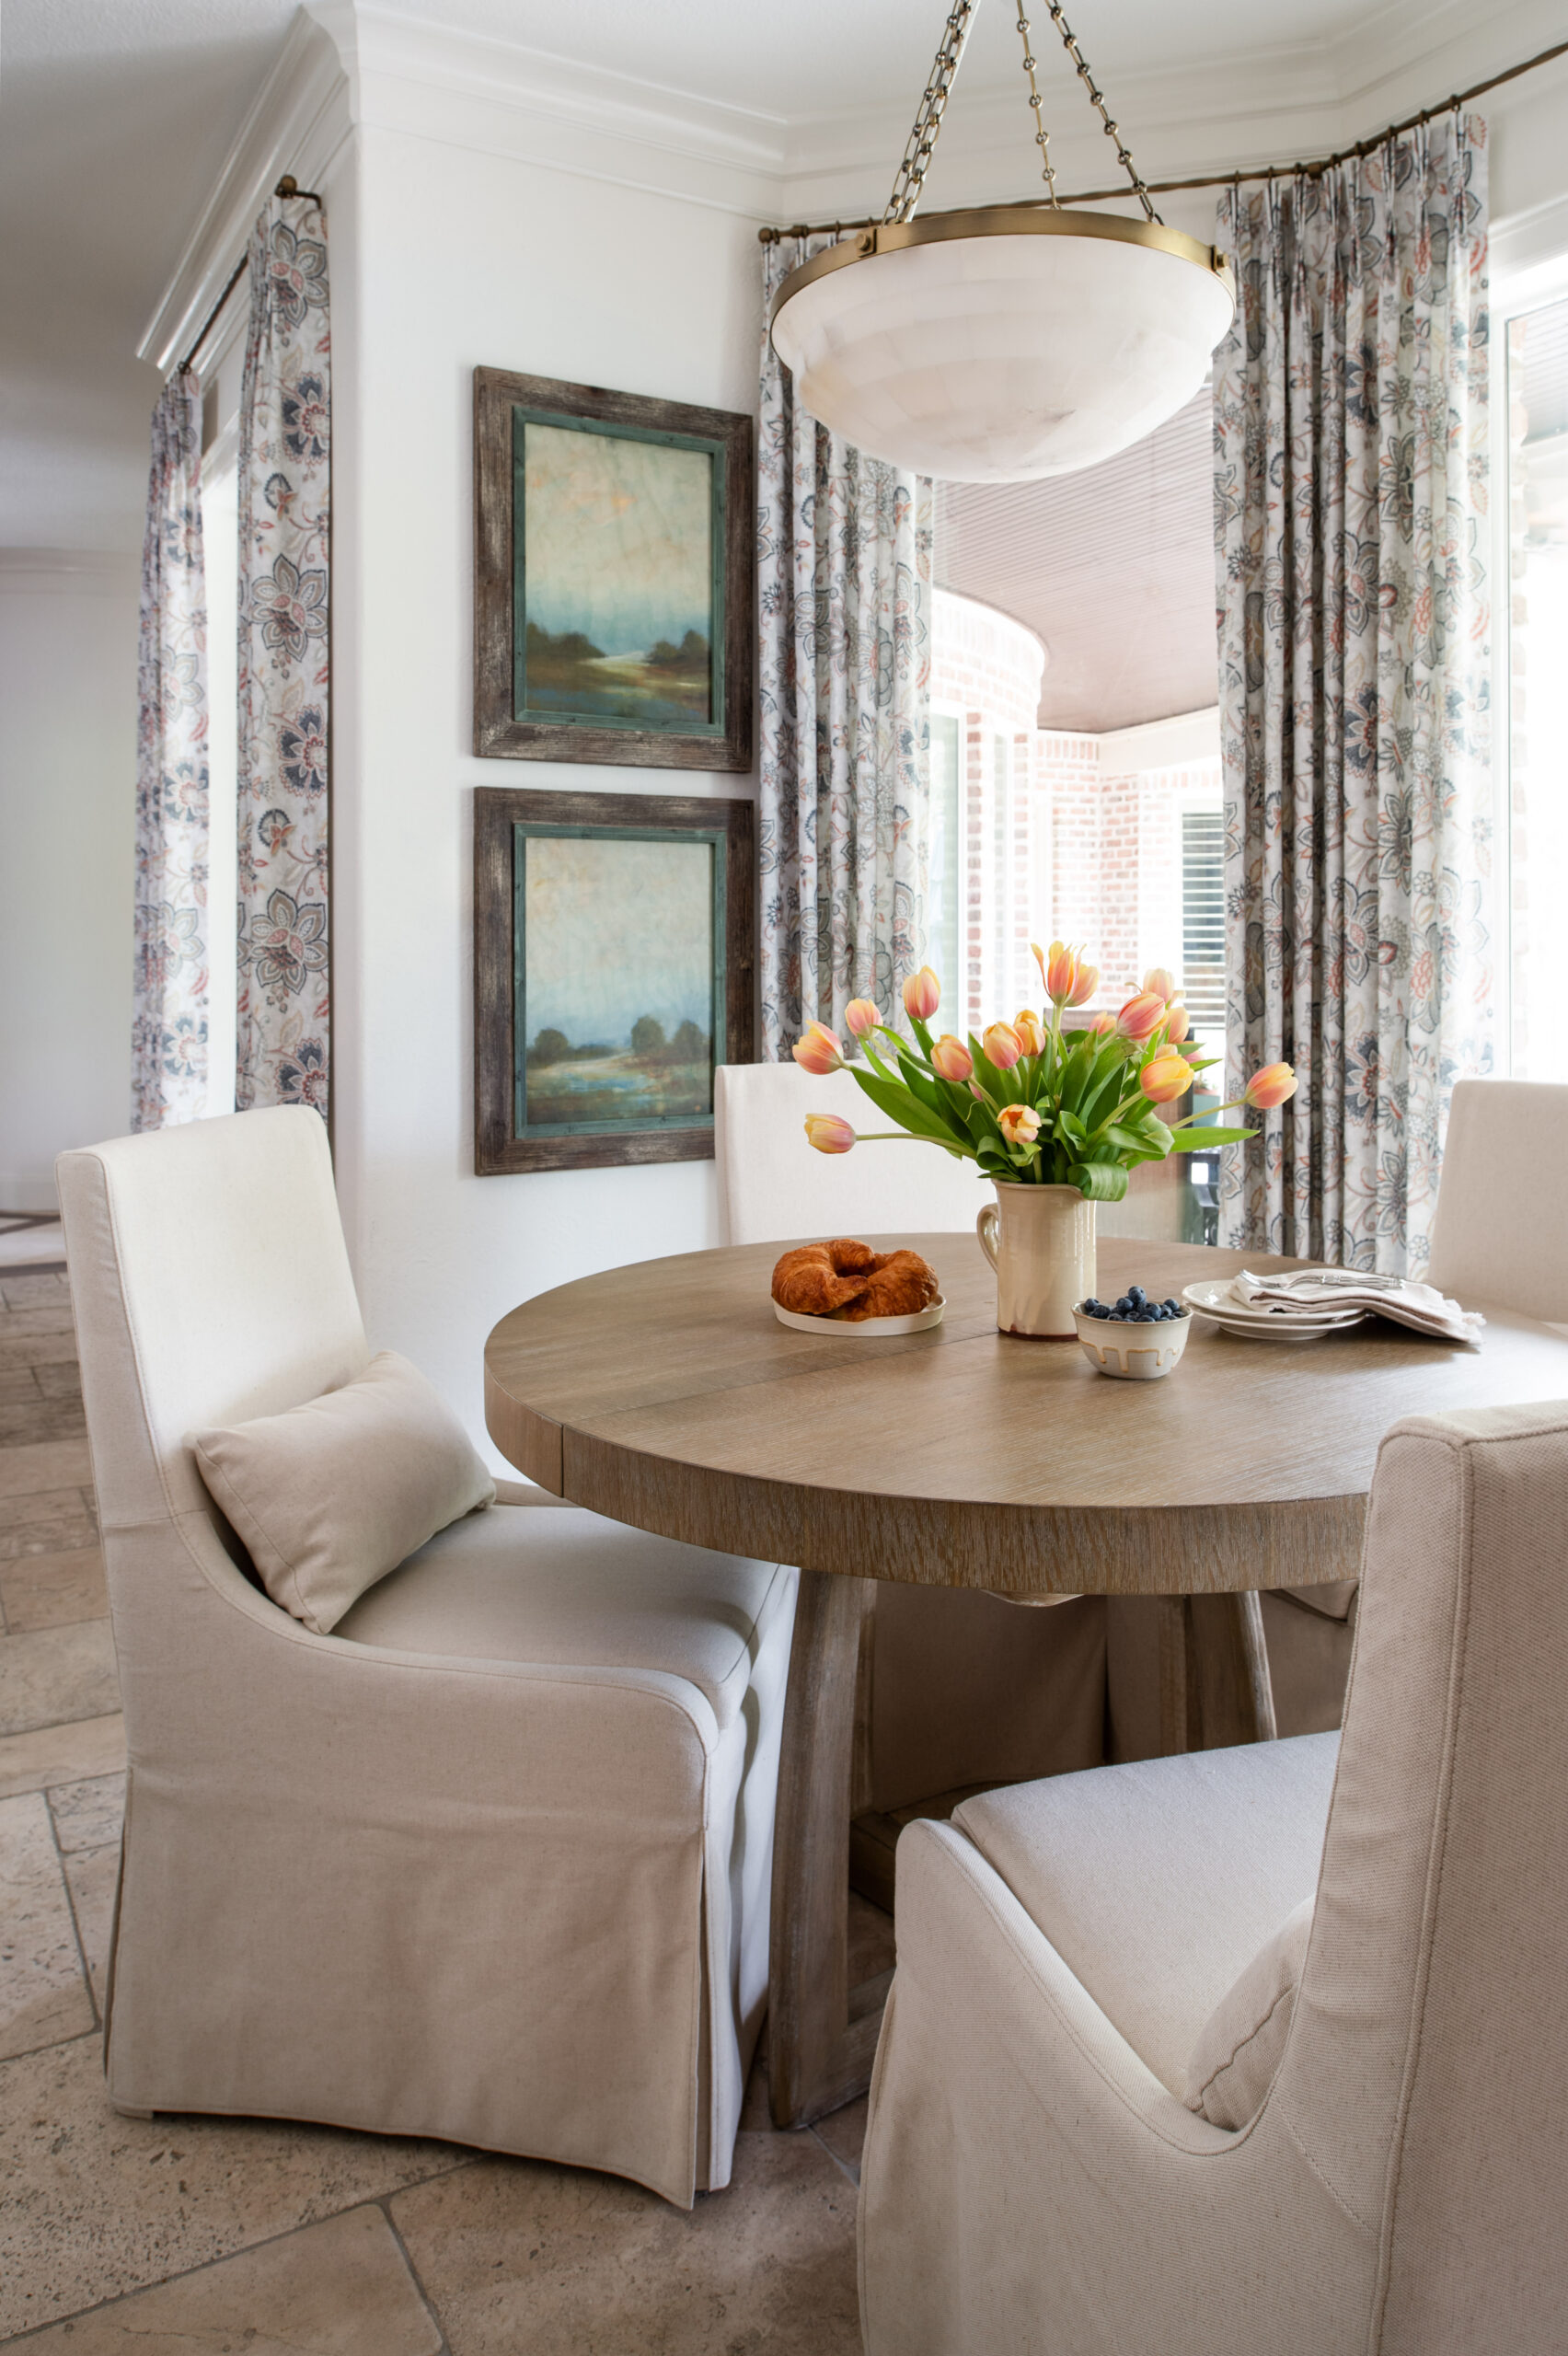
[{"x": 208, "y": 2235}]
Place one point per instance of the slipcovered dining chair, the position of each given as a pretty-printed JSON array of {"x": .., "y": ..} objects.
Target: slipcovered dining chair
[
  {"x": 961, "y": 1688},
  {"x": 1112, "y": 2112},
  {"x": 492, "y": 1860},
  {"x": 1504, "y": 1245}
]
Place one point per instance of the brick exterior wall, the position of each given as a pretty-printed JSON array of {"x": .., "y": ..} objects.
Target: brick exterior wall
[{"x": 1090, "y": 856}]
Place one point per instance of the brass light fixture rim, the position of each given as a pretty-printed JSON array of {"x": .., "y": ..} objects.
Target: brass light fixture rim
[{"x": 999, "y": 221}]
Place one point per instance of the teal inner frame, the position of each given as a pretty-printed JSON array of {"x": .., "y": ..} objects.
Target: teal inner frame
[
  {"x": 647, "y": 724},
  {"x": 718, "y": 1030}
]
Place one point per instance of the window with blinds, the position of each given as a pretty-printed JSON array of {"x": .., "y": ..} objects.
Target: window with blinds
[{"x": 1203, "y": 920}]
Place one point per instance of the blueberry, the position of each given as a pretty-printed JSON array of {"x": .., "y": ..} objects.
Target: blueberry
[
  {"x": 1100, "y": 1310},
  {"x": 1136, "y": 1294},
  {"x": 1171, "y": 1307},
  {"x": 1124, "y": 1307},
  {"x": 1093, "y": 1303}
]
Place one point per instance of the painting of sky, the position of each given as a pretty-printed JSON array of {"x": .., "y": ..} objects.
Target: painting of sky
[{"x": 614, "y": 931}]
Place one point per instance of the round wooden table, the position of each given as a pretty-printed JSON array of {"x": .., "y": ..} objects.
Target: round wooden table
[{"x": 667, "y": 1396}]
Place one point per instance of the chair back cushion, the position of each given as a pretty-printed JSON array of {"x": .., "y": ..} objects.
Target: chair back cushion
[
  {"x": 1425, "y": 2077},
  {"x": 777, "y": 1187},
  {"x": 1500, "y": 1234},
  {"x": 330, "y": 1495},
  {"x": 211, "y": 1285}
]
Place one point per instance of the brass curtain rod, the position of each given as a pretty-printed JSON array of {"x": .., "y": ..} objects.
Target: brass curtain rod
[
  {"x": 1310, "y": 172},
  {"x": 287, "y": 186}
]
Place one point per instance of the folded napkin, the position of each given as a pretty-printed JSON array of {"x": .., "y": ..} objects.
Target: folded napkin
[{"x": 1420, "y": 1306}]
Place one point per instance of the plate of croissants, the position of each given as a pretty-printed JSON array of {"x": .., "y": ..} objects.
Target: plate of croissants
[{"x": 845, "y": 1283}]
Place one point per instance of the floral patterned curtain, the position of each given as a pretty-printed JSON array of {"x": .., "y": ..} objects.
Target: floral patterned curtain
[
  {"x": 844, "y": 619},
  {"x": 1350, "y": 512},
  {"x": 170, "y": 992},
  {"x": 286, "y": 507}
]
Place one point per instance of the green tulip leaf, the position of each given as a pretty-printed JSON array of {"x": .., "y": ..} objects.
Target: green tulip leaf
[{"x": 1099, "y": 1181}]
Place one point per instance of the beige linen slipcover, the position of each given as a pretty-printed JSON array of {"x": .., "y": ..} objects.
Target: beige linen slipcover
[
  {"x": 492, "y": 1860},
  {"x": 1031, "y": 2182}
]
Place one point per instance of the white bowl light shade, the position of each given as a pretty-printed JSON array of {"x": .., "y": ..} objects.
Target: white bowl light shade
[{"x": 1006, "y": 345}]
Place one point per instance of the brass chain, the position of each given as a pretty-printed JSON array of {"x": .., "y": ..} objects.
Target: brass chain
[
  {"x": 1112, "y": 130},
  {"x": 911, "y": 179},
  {"x": 1041, "y": 136}
]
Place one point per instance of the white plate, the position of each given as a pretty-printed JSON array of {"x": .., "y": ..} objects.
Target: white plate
[
  {"x": 1212, "y": 1298},
  {"x": 1279, "y": 1329},
  {"x": 877, "y": 1329}
]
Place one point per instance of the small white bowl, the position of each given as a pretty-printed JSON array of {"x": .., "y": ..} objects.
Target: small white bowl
[{"x": 1132, "y": 1352}]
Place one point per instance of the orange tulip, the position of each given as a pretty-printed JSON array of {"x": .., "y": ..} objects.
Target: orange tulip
[
  {"x": 1031, "y": 1030},
  {"x": 861, "y": 1016},
  {"x": 1019, "y": 1124},
  {"x": 1142, "y": 1016},
  {"x": 1177, "y": 1023},
  {"x": 922, "y": 994},
  {"x": 1061, "y": 973},
  {"x": 951, "y": 1059},
  {"x": 1165, "y": 1076},
  {"x": 1087, "y": 982},
  {"x": 1161, "y": 981},
  {"x": 1102, "y": 1023},
  {"x": 1003, "y": 1046},
  {"x": 820, "y": 1050},
  {"x": 1269, "y": 1087},
  {"x": 829, "y": 1132}
]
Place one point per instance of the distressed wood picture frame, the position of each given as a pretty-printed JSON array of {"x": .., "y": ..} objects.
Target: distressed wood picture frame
[
  {"x": 613, "y": 577},
  {"x": 614, "y": 959}
]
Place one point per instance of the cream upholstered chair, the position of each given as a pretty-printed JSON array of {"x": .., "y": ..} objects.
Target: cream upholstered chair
[
  {"x": 1504, "y": 1243},
  {"x": 490, "y": 1861},
  {"x": 965, "y": 1688},
  {"x": 1031, "y": 2182}
]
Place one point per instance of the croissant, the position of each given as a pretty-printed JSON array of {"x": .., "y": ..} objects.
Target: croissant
[{"x": 849, "y": 1280}]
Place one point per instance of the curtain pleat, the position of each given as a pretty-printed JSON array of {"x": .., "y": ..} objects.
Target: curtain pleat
[
  {"x": 284, "y": 1014},
  {"x": 1351, "y": 535},
  {"x": 169, "y": 988},
  {"x": 844, "y": 625}
]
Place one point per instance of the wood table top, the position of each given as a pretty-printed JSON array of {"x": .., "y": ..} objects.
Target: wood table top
[{"x": 667, "y": 1396}]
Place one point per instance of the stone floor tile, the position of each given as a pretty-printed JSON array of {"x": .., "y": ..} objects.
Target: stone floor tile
[
  {"x": 25, "y": 1287},
  {"x": 844, "y": 2131},
  {"x": 522, "y": 2259},
  {"x": 42, "y": 1995},
  {"x": 50, "y": 1755},
  {"x": 46, "y": 1464},
  {"x": 61, "y": 1381},
  {"x": 93, "y": 2206},
  {"x": 93, "y": 1876},
  {"x": 52, "y": 1591},
  {"x": 24, "y": 1421},
  {"x": 22, "y": 1382},
  {"x": 339, "y": 2289},
  {"x": 88, "y": 1814},
  {"x": 35, "y": 1349},
  {"x": 50, "y": 1676},
  {"x": 59, "y": 1521}
]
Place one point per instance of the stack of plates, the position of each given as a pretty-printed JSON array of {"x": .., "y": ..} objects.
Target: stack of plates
[{"x": 1213, "y": 1299}]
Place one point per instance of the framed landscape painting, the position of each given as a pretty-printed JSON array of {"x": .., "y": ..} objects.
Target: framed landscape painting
[
  {"x": 613, "y": 600},
  {"x": 613, "y": 968}
]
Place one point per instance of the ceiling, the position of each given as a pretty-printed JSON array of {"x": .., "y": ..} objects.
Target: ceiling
[
  {"x": 117, "y": 115},
  {"x": 1113, "y": 568}
]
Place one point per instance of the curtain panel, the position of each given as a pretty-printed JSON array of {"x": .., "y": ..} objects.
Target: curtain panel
[
  {"x": 1350, "y": 531},
  {"x": 284, "y": 1048},
  {"x": 168, "y": 1052},
  {"x": 844, "y": 687}
]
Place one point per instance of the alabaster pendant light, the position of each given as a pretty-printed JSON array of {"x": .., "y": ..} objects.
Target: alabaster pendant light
[{"x": 1005, "y": 343}]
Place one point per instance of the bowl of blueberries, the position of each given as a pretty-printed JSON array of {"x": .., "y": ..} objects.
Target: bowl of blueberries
[{"x": 1135, "y": 1338}]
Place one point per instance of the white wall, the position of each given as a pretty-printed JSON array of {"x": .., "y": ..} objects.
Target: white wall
[
  {"x": 443, "y": 259},
  {"x": 67, "y": 827}
]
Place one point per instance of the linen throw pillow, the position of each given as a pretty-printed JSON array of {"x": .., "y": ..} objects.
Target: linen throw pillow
[
  {"x": 1240, "y": 2045},
  {"x": 330, "y": 1496}
]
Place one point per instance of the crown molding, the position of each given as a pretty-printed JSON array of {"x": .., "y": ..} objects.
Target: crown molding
[
  {"x": 297, "y": 124},
  {"x": 69, "y": 572}
]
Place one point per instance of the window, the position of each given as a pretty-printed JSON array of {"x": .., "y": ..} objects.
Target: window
[
  {"x": 1537, "y": 363},
  {"x": 945, "y": 872},
  {"x": 1203, "y": 919}
]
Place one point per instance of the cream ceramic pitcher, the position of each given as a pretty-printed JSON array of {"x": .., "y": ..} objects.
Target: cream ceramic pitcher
[{"x": 1040, "y": 1239}]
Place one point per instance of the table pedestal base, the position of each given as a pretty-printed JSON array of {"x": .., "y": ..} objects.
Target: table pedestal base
[{"x": 822, "y": 2036}]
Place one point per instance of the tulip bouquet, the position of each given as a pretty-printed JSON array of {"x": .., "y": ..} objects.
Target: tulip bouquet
[{"x": 1037, "y": 1100}]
